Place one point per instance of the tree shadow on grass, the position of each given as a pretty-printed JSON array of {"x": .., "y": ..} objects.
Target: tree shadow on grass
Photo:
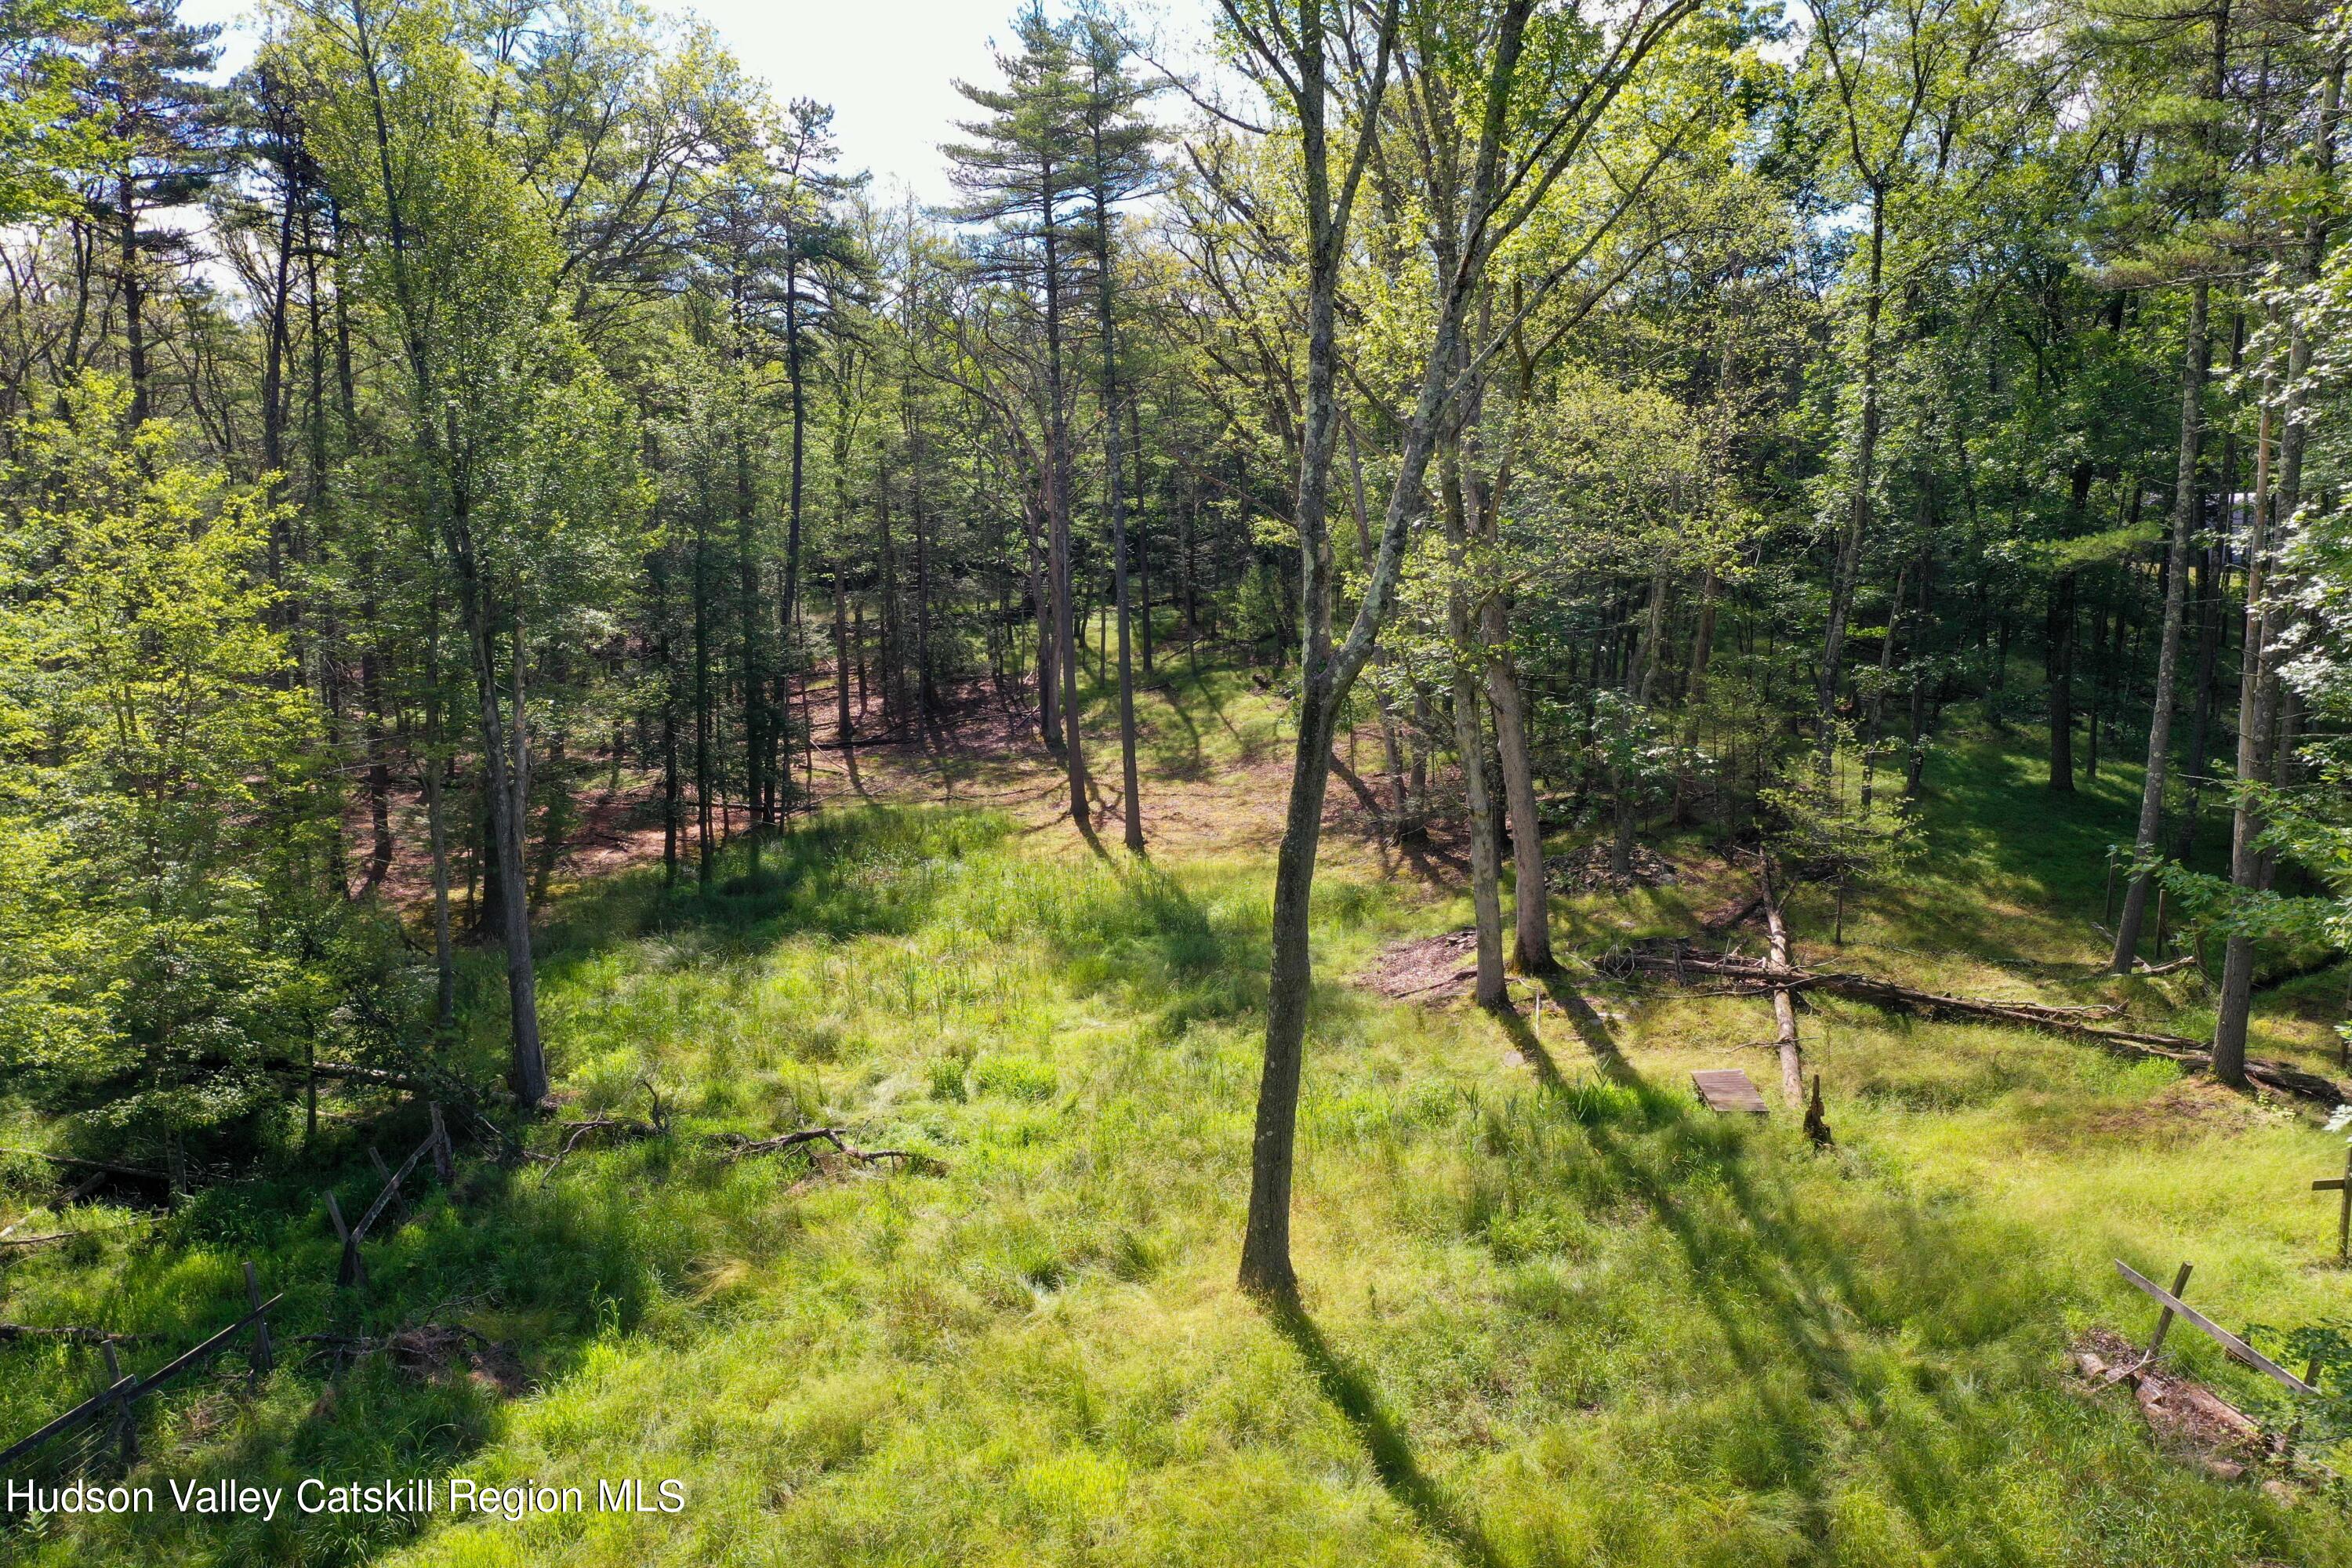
[
  {"x": 543, "y": 1273},
  {"x": 868, "y": 872},
  {"x": 1172, "y": 759},
  {"x": 1784, "y": 1295},
  {"x": 1385, "y": 1444}
]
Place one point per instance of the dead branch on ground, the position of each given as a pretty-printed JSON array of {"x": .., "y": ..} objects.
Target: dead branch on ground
[{"x": 1755, "y": 977}]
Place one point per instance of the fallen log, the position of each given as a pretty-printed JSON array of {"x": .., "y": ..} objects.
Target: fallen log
[
  {"x": 9, "y": 1332},
  {"x": 98, "y": 1165},
  {"x": 731, "y": 1145},
  {"x": 55, "y": 1236},
  {"x": 82, "y": 1189},
  {"x": 1756, "y": 977}
]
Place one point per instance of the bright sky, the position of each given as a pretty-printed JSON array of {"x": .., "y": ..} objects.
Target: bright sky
[{"x": 886, "y": 67}]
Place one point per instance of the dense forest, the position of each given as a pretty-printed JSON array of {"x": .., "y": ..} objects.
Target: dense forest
[{"x": 478, "y": 452}]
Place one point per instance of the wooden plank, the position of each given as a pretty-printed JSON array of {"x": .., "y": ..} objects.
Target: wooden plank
[
  {"x": 445, "y": 1160},
  {"x": 2328, "y": 1184},
  {"x": 391, "y": 1191},
  {"x": 186, "y": 1359},
  {"x": 2238, "y": 1349},
  {"x": 89, "y": 1164},
  {"x": 352, "y": 1269},
  {"x": 1727, "y": 1090}
]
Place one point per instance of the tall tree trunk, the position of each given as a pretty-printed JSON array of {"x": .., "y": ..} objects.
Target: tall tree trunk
[
  {"x": 2062, "y": 617},
  {"x": 1915, "y": 763},
  {"x": 748, "y": 621},
  {"x": 2259, "y": 683},
  {"x": 1468, "y": 659},
  {"x": 666, "y": 659},
  {"x": 379, "y": 767},
  {"x": 1531, "y": 903},
  {"x": 1114, "y": 477},
  {"x": 1640, "y": 667},
  {"x": 1858, "y": 504},
  {"x": 788, "y": 602},
  {"x": 841, "y": 664},
  {"x": 1041, "y": 600},
  {"x": 1784, "y": 1007},
  {"x": 705, "y": 847},
  {"x": 926, "y": 691},
  {"x": 2195, "y": 359},
  {"x": 505, "y": 784},
  {"x": 1326, "y": 672},
  {"x": 1142, "y": 544},
  {"x": 1057, "y": 513},
  {"x": 1410, "y": 827},
  {"x": 437, "y": 827},
  {"x": 2167, "y": 656},
  {"x": 1694, "y": 693},
  {"x": 134, "y": 296},
  {"x": 1875, "y": 728},
  {"x": 2208, "y": 659},
  {"x": 2257, "y": 701},
  {"x": 891, "y": 661}
]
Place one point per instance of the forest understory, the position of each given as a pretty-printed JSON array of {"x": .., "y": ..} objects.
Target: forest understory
[{"x": 1552, "y": 1309}]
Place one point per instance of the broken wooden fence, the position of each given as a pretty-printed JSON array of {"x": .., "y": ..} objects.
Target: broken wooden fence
[
  {"x": 2232, "y": 1345},
  {"x": 112, "y": 1404},
  {"x": 352, "y": 1268}
]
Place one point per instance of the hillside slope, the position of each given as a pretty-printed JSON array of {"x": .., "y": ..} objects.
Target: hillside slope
[{"x": 1554, "y": 1311}]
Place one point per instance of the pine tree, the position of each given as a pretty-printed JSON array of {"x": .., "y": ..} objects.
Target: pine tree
[{"x": 1023, "y": 175}]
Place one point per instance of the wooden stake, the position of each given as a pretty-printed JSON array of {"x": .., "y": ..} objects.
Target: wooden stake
[
  {"x": 2164, "y": 1318},
  {"x": 1817, "y": 1125},
  {"x": 383, "y": 1174},
  {"x": 2343, "y": 1185},
  {"x": 444, "y": 1162},
  {"x": 263, "y": 1358},
  {"x": 2294, "y": 1431},
  {"x": 125, "y": 1433},
  {"x": 352, "y": 1269}
]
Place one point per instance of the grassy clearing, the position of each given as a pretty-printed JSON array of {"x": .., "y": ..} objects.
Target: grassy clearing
[{"x": 1554, "y": 1313}]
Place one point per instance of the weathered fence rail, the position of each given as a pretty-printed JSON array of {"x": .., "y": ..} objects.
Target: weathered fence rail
[{"x": 114, "y": 1401}]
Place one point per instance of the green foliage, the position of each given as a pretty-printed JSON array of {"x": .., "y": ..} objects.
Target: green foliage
[
  {"x": 47, "y": 142},
  {"x": 163, "y": 821}
]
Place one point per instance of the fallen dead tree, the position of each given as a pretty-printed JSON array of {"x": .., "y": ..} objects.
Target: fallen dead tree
[
  {"x": 620, "y": 1129},
  {"x": 731, "y": 1146},
  {"x": 1737, "y": 975},
  {"x": 1784, "y": 1003},
  {"x": 740, "y": 1147},
  {"x": 52, "y": 1239}
]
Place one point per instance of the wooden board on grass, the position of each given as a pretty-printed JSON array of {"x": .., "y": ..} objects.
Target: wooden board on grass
[{"x": 1727, "y": 1090}]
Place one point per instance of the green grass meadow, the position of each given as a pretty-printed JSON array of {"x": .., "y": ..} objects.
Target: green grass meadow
[{"x": 1554, "y": 1312}]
